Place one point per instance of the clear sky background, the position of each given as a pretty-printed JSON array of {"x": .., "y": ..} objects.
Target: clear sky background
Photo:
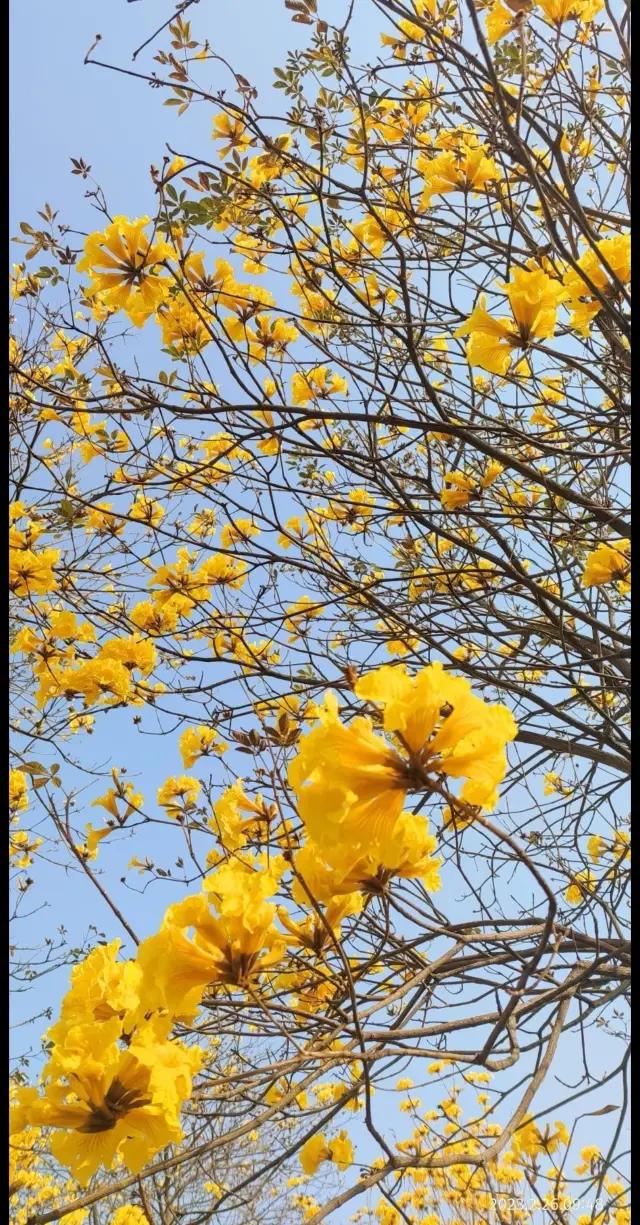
[{"x": 62, "y": 109}]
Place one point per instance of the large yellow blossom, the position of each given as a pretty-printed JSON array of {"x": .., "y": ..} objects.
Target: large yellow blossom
[
  {"x": 105, "y": 681},
  {"x": 236, "y": 817},
  {"x": 116, "y": 1101},
  {"x": 534, "y": 298},
  {"x": 317, "y": 1149},
  {"x": 129, "y": 1214},
  {"x": 559, "y": 11},
  {"x": 182, "y": 327},
  {"x": 351, "y": 783},
  {"x": 465, "y": 168},
  {"x": 101, "y": 988},
  {"x": 122, "y": 263},
  {"x": 609, "y": 563},
  {"x": 348, "y": 871},
  {"x": 32, "y": 573},
  {"x": 581, "y": 886},
  {"x": 231, "y": 948}
]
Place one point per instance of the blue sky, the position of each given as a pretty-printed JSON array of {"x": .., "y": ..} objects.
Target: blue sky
[{"x": 63, "y": 109}]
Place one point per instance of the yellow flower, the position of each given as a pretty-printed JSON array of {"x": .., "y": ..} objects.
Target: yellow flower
[
  {"x": 317, "y": 1149},
  {"x": 313, "y": 1153},
  {"x": 316, "y": 383},
  {"x": 596, "y": 847},
  {"x": 129, "y": 1214},
  {"x": 184, "y": 587},
  {"x": 466, "y": 485},
  {"x": 239, "y": 530},
  {"x": 175, "y": 167},
  {"x": 355, "y": 512},
  {"x": 351, "y": 783},
  {"x": 237, "y": 817},
  {"x": 123, "y": 1102},
  {"x": 529, "y": 1140},
  {"x": 616, "y": 252},
  {"x": 463, "y": 486},
  {"x": 122, "y": 263},
  {"x": 107, "y": 681},
  {"x": 182, "y": 327},
  {"x": 145, "y": 510},
  {"x": 622, "y": 845},
  {"x": 583, "y": 883},
  {"x": 559, "y": 11},
  {"x": 299, "y": 615},
  {"x": 133, "y": 651},
  {"x": 232, "y": 948},
  {"x": 32, "y": 573},
  {"x": 500, "y": 21},
  {"x": 101, "y": 988},
  {"x": 534, "y": 298},
  {"x": 153, "y": 620},
  {"x": 18, "y": 791},
  {"x": 122, "y": 791},
  {"x": 466, "y": 168},
  {"x": 312, "y": 933},
  {"x": 179, "y": 794},
  {"x": 411, "y": 33},
  {"x": 407, "y": 852},
  {"x": 233, "y": 131},
  {"x": 100, "y": 519},
  {"x": 553, "y": 785},
  {"x": 22, "y": 847},
  {"x": 198, "y": 742},
  {"x": 610, "y": 562},
  {"x": 93, "y": 839},
  {"x": 297, "y": 528},
  {"x": 134, "y": 862},
  {"x": 341, "y": 1151}
]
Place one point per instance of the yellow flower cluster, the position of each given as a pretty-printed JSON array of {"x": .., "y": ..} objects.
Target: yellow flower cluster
[
  {"x": 234, "y": 939},
  {"x": 351, "y": 782},
  {"x": 534, "y": 298},
  {"x": 123, "y": 264},
  {"x": 339, "y": 1150},
  {"x": 115, "y": 1080},
  {"x": 611, "y": 259},
  {"x": 107, "y": 678},
  {"x": 31, "y": 571},
  {"x": 610, "y": 562},
  {"x": 145, "y": 276},
  {"x": 463, "y": 165},
  {"x": 114, "y": 1084}
]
